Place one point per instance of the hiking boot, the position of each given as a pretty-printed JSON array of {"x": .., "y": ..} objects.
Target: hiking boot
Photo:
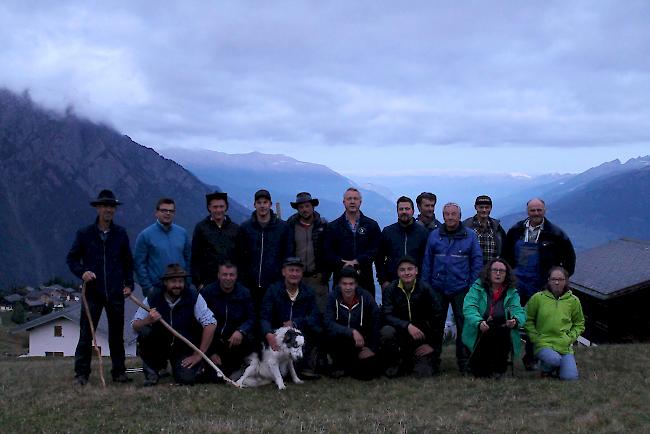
[
  {"x": 151, "y": 377},
  {"x": 80, "y": 380},
  {"x": 422, "y": 367},
  {"x": 308, "y": 374},
  {"x": 121, "y": 378},
  {"x": 392, "y": 371}
]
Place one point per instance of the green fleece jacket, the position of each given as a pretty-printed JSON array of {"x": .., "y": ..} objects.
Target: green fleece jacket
[
  {"x": 476, "y": 303},
  {"x": 553, "y": 322}
]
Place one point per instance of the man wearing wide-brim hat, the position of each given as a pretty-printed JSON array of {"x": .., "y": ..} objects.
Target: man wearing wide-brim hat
[
  {"x": 307, "y": 228},
  {"x": 186, "y": 310},
  {"x": 100, "y": 255}
]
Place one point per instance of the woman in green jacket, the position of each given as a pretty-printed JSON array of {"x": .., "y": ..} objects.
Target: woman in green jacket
[
  {"x": 493, "y": 315},
  {"x": 555, "y": 321}
]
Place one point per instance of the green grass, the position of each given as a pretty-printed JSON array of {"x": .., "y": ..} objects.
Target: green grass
[{"x": 38, "y": 396}]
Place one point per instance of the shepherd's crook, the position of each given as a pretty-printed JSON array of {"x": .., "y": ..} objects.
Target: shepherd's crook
[
  {"x": 220, "y": 374},
  {"x": 92, "y": 333}
]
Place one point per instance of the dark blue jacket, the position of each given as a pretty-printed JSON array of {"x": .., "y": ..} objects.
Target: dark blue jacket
[
  {"x": 109, "y": 259},
  {"x": 262, "y": 250},
  {"x": 341, "y": 243},
  {"x": 364, "y": 317},
  {"x": 397, "y": 241},
  {"x": 452, "y": 260},
  {"x": 233, "y": 311},
  {"x": 277, "y": 308},
  {"x": 181, "y": 317},
  {"x": 419, "y": 307}
]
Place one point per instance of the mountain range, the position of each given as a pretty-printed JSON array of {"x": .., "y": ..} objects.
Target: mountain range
[
  {"x": 54, "y": 164},
  {"x": 243, "y": 174}
]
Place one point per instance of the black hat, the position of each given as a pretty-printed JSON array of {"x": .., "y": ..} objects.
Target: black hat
[
  {"x": 174, "y": 270},
  {"x": 483, "y": 200},
  {"x": 216, "y": 195},
  {"x": 407, "y": 258},
  {"x": 105, "y": 197},
  {"x": 303, "y": 197},
  {"x": 262, "y": 193},
  {"x": 293, "y": 260}
]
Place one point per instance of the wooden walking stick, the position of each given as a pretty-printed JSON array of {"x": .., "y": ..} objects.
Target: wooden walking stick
[
  {"x": 220, "y": 374},
  {"x": 92, "y": 332}
]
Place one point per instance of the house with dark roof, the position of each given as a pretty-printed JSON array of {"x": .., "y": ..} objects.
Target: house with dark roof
[
  {"x": 57, "y": 333},
  {"x": 613, "y": 284}
]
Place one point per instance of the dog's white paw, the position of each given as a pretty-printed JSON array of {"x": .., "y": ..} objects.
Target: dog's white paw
[
  {"x": 282, "y": 387},
  {"x": 298, "y": 381}
]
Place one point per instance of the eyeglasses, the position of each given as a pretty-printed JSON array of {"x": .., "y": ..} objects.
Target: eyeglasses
[
  {"x": 557, "y": 279},
  {"x": 166, "y": 211},
  {"x": 498, "y": 270}
]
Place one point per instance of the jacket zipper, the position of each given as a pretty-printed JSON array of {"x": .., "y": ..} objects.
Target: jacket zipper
[
  {"x": 406, "y": 239},
  {"x": 104, "y": 263},
  {"x": 225, "y": 321},
  {"x": 259, "y": 275}
]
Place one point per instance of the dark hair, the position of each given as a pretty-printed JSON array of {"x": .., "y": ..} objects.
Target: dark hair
[
  {"x": 563, "y": 271},
  {"x": 404, "y": 199},
  {"x": 425, "y": 195},
  {"x": 508, "y": 282},
  {"x": 350, "y": 272},
  {"x": 227, "y": 264},
  {"x": 165, "y": 201}
]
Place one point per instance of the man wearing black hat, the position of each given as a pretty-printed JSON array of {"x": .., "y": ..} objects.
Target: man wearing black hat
[
  {"x": 214, "y": 241},
  {"x": 291, "y": 303},
  {"x": 307, "y": 227},
  {"x": 187, "y": 312},
  {"x": 100, "y": 255},
  {"x": 264, "y": 241},
  {"x": 488, "y": 230}
]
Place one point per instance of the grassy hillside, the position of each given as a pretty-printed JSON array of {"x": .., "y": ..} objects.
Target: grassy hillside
[{"x": 38, "y": 396}]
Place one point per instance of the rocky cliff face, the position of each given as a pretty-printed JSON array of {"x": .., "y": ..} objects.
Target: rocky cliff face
[{"x": 53, "y": 164}]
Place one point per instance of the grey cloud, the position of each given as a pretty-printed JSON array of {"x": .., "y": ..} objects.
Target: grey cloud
[{"x": 341, "y": 73}]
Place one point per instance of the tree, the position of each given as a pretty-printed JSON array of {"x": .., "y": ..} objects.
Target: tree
[{"x": 18, "y": 315}]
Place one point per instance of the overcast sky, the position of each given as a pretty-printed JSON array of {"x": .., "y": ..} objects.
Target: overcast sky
[{"x": 364, "y": 87}]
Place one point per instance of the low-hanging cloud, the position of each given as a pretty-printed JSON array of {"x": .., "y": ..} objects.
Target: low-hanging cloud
[{"x": 341, "y": 73}]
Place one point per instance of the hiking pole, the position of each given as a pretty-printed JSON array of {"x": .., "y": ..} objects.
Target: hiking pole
[
  {"x": 92, "y": 333},
  {"x": 209, "y": 361}
]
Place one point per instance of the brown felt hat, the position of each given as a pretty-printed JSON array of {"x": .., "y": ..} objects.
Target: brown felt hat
[
  {"x": 174, "y": 270},
  {"x": 303, "y": 197}
]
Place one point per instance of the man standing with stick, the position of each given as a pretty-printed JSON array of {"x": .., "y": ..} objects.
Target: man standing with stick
[{"x": 101, "y": 257}]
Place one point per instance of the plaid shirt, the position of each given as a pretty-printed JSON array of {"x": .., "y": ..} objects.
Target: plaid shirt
[{"x": 486, "y": 239}]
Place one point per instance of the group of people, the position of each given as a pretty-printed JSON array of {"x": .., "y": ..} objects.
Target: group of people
[{"x": 231, "y": 286}]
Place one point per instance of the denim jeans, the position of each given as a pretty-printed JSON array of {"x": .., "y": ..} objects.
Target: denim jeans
[{"x": 565, "y": 363}]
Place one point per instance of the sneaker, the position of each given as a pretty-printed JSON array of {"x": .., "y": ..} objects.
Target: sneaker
[
  {"x": 121, "y": 378},
  {"x": 80, "y": 380}
]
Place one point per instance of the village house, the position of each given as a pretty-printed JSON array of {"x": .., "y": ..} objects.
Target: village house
[
  {"x": 612, "y": 282},
  {"x": 57, "y": 333},
  {"x": 8, "y": 301}
]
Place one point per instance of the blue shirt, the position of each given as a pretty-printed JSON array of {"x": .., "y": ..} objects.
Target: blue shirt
[{"x": 155, "y": 248}]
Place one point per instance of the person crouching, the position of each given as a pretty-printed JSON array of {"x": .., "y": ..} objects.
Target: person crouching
[
  {"x": 411, "y": 313},
  {"x": 187, "y": 312},
  {"x": 352, "y": 327}
]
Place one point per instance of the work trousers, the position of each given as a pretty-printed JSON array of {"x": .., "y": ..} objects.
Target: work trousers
[{"x": 115, "y": 317}]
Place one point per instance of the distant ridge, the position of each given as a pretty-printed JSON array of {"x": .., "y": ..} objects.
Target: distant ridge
[{"x": 53, "y": 164}]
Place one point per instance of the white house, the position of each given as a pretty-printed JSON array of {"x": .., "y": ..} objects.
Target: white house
[{"x": 57, "y": 333}]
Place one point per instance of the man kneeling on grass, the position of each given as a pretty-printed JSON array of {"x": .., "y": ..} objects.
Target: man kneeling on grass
[
  {"x": 352, "y": 325},
  {"x": 187, "y": 312},
  {"x": 411, "y": 312}
]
